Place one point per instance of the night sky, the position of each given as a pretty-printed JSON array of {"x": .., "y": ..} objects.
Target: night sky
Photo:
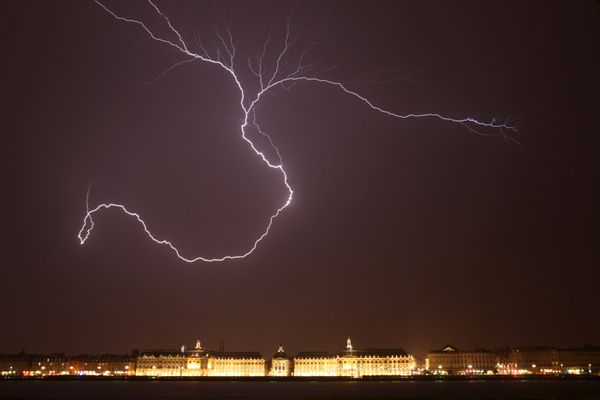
[{"x": 402, "y": 233}]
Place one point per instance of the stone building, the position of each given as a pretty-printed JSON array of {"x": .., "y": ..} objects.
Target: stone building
[
  {"x": 281, "y": 364},
  {"x": 580, "y": 360},
  {"x": 530, "y": 359},
  {"x": 450, "y": 360},
  {"x": 355, "y": 363},
  {"x": 13, "y": 365},
  {"x": 550, "y": 360},
  {"x": 242, "y": 364},
  {"x": 161, "y": 363},
  {"x": 199, "y": 362},
  {"x": 58, "y": 364},
  {"x": 315, "y": 363},
  {"x": 104, "y": 364}
]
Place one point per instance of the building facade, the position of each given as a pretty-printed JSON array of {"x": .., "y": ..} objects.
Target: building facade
[
  {"x": 281, "y": 364},
  {"x": 200, "y": 362},
  {"x": 58, "y": 364},
  {"x": 452, "y": 361},
  {"x": 580, "y": 360},
  {"x": 550, "y": 360},
  {"x": 14, "y": 365},
  {"x": 106, "y": 365},
  {"x": 525, "y": 360},
  {"x": 355, "y": 363},
  {"x": 241, "y": 364},
  {"x": 160, "y": 363},
  {"x": 315, "y": 363}
]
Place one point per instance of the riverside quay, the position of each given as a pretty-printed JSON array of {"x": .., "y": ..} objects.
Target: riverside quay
[{"x": 350, "y": 362}]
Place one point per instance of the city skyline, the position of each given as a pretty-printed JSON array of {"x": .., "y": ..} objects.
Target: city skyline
[{"x": 347, "y": 362}]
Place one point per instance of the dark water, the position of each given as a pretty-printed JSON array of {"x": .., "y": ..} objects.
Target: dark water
[{"x": 92, "y": 390}]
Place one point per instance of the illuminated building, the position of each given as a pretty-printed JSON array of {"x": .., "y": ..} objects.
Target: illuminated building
[
  {"x": 355, "y": 363},
  {"x": 450, "y": 360},
  {"x": 281, "y": 364},
  {"x": 317, "y": 363},
  {"x": 375, "y": 362},
  {"x": 58, "y": 364},
  {"x": 107, "y": 365},
  {"x": 582, "y": 360},
  {"x": 160, "y": 363},
  {"x": 54, "y": 364},
  {"x": 200, "y": 362},
  {"x": 14, "y": 364},
  {"x": 526, "y": 360},
  {"x": 172, "y": 362},
  {"x": 34, "y": 365},
  {"x": 235, "y": 364},
  {"x": 549, "y": 360}
]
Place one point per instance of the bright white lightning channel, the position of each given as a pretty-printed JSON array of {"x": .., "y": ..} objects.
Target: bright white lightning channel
[{"x": 225, "y": 58}]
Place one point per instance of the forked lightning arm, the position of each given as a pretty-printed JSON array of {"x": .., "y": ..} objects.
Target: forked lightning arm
[{"x": 225, "y": 58}]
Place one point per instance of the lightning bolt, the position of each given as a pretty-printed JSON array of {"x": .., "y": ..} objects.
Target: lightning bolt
[{"x": 224, "y": 57}]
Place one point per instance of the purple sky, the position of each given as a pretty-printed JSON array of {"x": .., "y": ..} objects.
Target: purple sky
[{"x": 402, "y": 233}]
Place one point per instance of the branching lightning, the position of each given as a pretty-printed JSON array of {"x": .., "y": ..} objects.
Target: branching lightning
[{"x": 224, "y": 56}]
